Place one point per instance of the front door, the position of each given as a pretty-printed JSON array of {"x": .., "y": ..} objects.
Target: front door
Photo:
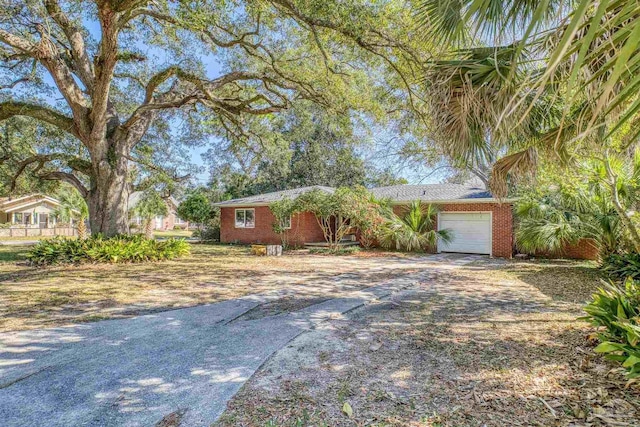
[{"x": 44, "y": 220}]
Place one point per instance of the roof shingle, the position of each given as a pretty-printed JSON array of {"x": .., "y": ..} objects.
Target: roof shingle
[
  {"x": 265, "y": 199},
  {"x": 431, "y": 192}
]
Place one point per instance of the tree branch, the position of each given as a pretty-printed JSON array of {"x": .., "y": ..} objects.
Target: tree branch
[
  {"x": 41, "y": 160},
  {"x": 59, "y": 120},
  {"x": 79, "y": 55}
]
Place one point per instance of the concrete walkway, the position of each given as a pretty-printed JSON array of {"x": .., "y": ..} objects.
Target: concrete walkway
[{"x": 134, "y": 372}]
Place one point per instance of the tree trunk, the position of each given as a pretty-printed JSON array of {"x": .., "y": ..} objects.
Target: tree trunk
[
  {"x": 148, "y": 228},
  {"x": 109, "y": 194}
]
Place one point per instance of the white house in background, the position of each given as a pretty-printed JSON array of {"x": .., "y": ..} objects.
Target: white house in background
[
  {"x": 161, "y": 222},
  {"x": 31, "y": 211}
]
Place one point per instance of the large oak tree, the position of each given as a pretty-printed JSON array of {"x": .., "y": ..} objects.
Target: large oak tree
[{"x": 116, "y": 75}]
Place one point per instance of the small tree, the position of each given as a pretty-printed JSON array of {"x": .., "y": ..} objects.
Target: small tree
[
  {"x": 365, "y": 213},
  {"x": 333, "y": 211},
  {"x": 73, "y": 207},
  {"x": 196, "y": 208},
  {"x": 414, "y": 230},
  {"x": 149, "y": 206},
  {"x": 283, "y": 210}
]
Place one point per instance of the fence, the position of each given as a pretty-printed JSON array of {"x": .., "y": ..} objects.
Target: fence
[{"x": 37, "y": 232}]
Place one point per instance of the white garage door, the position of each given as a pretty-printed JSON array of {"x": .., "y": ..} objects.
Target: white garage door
[{"x": 471, "y": 232}]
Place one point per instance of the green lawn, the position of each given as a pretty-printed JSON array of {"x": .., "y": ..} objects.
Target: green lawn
[{"x": 173, "y": 233}]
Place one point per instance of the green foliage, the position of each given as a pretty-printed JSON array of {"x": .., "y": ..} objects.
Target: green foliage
[
  {"x": 196, "y": 208},
  {"x": 72, "y": 206},
  {"x": 98, "y": 249},
  {"x": 615, "y": 310},
  {"x": 414, "y": 230},
  {"x": 340, "y": 212},
  {"x": 210, "y": 233},
  {"x": 150, "y": 205},
  {"x": 283, "y": 211},
  {"x": 622, "y": 266}
]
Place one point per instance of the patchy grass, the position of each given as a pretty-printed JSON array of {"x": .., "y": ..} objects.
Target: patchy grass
[
  {"x": 13, "y": 253},
  {"x": 33, "y": 297},
  {"x": 483, "y": 345},
  {"x": 177, "y": 234}
]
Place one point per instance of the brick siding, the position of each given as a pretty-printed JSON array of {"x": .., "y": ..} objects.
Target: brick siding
[
  {"x": 304, "y": 228},
  {"x": 583, "y": 249}
]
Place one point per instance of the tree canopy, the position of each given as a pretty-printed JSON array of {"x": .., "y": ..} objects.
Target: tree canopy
[{"x": 132, "y": 82}]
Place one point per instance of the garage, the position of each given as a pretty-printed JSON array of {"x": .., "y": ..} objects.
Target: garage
[{"x": 471, "y": 232}]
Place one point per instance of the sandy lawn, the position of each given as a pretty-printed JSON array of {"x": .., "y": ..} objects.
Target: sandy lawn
[
  {"x": 33, "y": 297},
  {"x": 489, "y": 344}
]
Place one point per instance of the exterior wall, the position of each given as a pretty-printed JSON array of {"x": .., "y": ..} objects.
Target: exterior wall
[
  {"x": 43, "y": 208},
  {"x": 583, "y": 249},
  {"x": 502, "y": 223},
  {"x": 304, "y": 228}
]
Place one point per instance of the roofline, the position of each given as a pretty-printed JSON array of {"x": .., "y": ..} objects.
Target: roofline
[
  {"x": 393, "y": 202},
  {"x": 456, "y": 201},
  {"x": 35, "y": 202},
  {"x": 11, "y": 201},
  {"x": 241, "y": 205}
]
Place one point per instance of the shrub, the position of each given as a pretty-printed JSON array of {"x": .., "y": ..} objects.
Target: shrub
[
  {"x": 414, "y": 230},
  {"x": 615, "y": 310},
  {"x": 122, "y": 248},
  {"x": 210, "y": 232},
  {"x": 622, "y": 266}
]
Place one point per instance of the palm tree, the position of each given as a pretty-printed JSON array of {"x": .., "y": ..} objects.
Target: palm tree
[
  {"x": 558, "y": 216},
  {"x": 73, "y": 207},
  {"x": 576, "y": 63},
  {"x": 524, "y": 78},
  {"x": 150, "y": 206},
  {"x": 414, "y": 230}
]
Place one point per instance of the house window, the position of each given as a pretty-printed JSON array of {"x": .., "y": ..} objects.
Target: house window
[
  {"x": 245, "y": 218},
  {"x": 178, "y": 220},
  {"x": 286, "y": 223},
  {"x": 36, "y": 217},
  {"x": 17, "y": 218}
]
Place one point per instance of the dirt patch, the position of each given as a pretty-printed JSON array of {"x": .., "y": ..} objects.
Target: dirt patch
[{"x": 471, "y": 347}]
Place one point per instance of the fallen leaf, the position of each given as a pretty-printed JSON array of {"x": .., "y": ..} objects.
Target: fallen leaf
[{"x": 347, "y": 409}]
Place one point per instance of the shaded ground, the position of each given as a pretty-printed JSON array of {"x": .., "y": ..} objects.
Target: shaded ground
[
  {"x": 489, "y": 344},
  {"x": 33, "y": 297}
]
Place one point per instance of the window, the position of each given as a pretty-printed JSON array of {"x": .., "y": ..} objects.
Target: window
[
  {"x": 286, "y": 223},
  {"x": 17, "y": 218},
  {"x": 245, "y": 218},
  {"x": 36, "y": 218}
]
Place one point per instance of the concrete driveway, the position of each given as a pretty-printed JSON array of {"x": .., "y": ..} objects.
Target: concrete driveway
[{"x": 182, "y": 365}]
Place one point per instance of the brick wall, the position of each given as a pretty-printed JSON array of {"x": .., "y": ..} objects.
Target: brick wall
[
  {"x": 304, "y": 228},
  {"x": 502, "y": 241},
  {"x": 583, "y": 249}
]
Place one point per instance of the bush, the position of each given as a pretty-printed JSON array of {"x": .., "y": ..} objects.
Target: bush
[
  {"x": 122, "y": 248},
  {"x": 622, "y": 266},
  {"x": 615, "y": 310},
  {"x": 210, "y": 232}
]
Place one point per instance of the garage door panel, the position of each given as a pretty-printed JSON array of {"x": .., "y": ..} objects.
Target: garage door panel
[{"x": 471, "y": 232}]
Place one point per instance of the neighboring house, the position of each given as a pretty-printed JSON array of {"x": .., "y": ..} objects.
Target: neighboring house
[
  {"x": 32, "y": 211},
  {"x": 160, "y": 222}
]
